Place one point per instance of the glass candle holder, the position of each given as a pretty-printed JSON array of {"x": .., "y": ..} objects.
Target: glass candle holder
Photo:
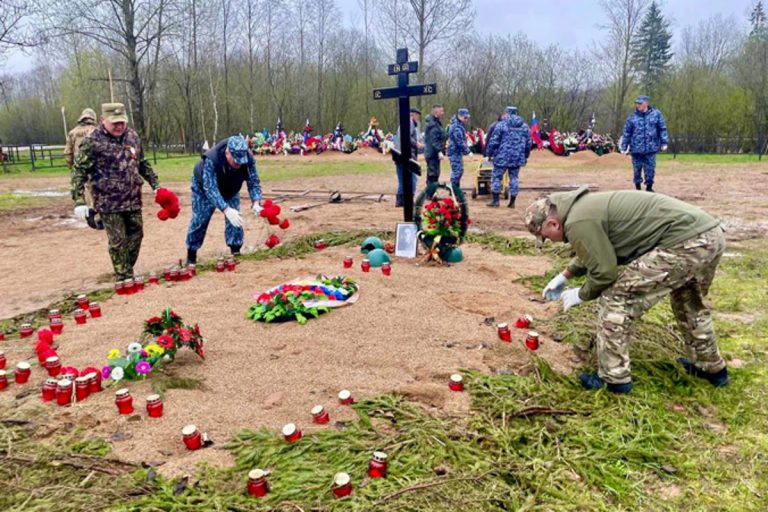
[
  {"x": 95, "y": 310},
  {"x": 386, "y": 269},
  {"x": 456, "y": 382},
  {"x": 291, "y": 433},
  {"x": 524, "y": 322},
  {"x": 504, "y": 333},
  {"x": 153, "y": 279},
  {"x": 54, "y": 313},
  {"x": 119, "y": 288},
  {"x": 154, "y": 406},
  {"x": 94, "y": 382},
  {"x": 124, "y": 401},
  {"x": 57, "y": 326},
  {"x": 26, "y": 330},
  {"x": 167, "y": 274},
  {"x": 345, "y": 397},
  {"x": 138, "y": 283},
  {"x": 3, "y": 360},
  {"x": 64, "y": 392},
  {"x": 365, "y": 266},
  {"x": 342, "y": 485},
  {"x": 348, "y": 262},
  {"x": 22, "y": 372},
  {"x": 377, "y": 466},
  {"x": 320, "y": 415},
  {"x": 221, "y": 265},
  {"x": 257, "y": 483},
  {"x": 3, "y": 380},
  {"x": 192, "y": 437},
  {"x": 532, "y": 340},
  {"x": 82, "y": 301},
  {"x": 48, "y": 393},
  {"x": 53, "y": 365},
  {"x": 80, "y": 317},
  {"x": 82, "y": 388}
]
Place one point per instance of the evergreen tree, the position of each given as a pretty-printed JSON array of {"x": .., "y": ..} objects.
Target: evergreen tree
[
  {"x": 651, "y": 49},
  {"x": 758, "y": 21}
]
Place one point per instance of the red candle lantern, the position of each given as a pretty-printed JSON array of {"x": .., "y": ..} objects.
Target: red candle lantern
[
  {"x": 345, "y": 397},
  {"x": 386, "y": 269},
  {"x": 3, "y": 380},
  {"x": 231, "y": 264},
  {"x": 138, "y": 283},
  {"x": 504, "y": 333},
  {"x": 320, "y": 245},
  {"x": 119, "y": 288},
  {"x": 82, "y": 301},
  {"x": 48, "y": 393},
  {"x": 2, "y": 336},
  {"x": 95, "y": 310},
  {"x": 524, "y": 322},
  {"x": 348, "y": 261},
  {"x": 257, "y": 483},
  {"x": 26, "y": 330},
  {"x": 80, "y": 317},
  {"x": 53, "y": 365},
  {"x": 64, "y": 392},
  {"x": 167, "y": 274},
  {"x": 3, "y": 361},
  {"x": 320, "y": 415},
  {"x": 192, "y": 268},
  {"x": 192, "y": 437},
  {"x": 456, "y": 382},
  {"x": 153, "y": 279},
  {"x": 128, "y": 287},
  {"x": 154, "y": 406},
  {"x": 57, "y": 326},
  {"x": 94, "y": 382},
  {"x": 532, "y": 340},
  {"x": 365, "y": 266},
  {"x": 82, "y": 388},
  {"x": 124, "y": 401},
  {"x": 221, "y": 265},
  {"x": 69, "y": 372},
  {"x": 342, "y": 485},
  {"x": 377, "y": 466},
  {"x": 291, "y": 432},
  {"x": 22, "y": 373},
  {"x": 54, "y": 313}
]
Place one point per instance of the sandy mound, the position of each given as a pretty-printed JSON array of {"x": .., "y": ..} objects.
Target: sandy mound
[{"x": 584, "y": 157}]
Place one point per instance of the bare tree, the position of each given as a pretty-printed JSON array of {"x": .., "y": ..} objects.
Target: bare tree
[
  {"x": 711, "y": 43},
  {"x": 325, "y": 12},
  {"x": 12, "y": 13},
  {"x": 623, "y": 18}
]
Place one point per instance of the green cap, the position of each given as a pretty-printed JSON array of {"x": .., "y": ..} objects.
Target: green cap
[
  {"x": 88, "y": 113},
  {"x": 114, "y": 112},
  {"x": 535, "y": 215}
]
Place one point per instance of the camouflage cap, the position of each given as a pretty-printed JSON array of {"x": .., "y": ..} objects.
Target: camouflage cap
[
  {"x": 114, "y": 112},
  {"x": 88, "y": 113},
  {"x": 463, "y": 112},
  {"x": 511, "y": 110},
  {"x": 238, "y": 148},
  {"x": 535, "y": 215}
]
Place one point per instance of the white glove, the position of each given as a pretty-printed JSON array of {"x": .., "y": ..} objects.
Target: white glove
[
  {"x": 571, "y": 298},
  {"x": 625, "y": 152},
  {"x": 256, "y": 209},
  {"x": 81, "y": 213},
  {"x": 440, "y": 155},
  {"x": 663, "y": 147},
  {"x": 234, "y": 218},
  {"x": 555, "y": 288}
]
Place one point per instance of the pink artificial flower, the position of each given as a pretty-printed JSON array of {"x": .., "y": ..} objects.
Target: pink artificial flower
[
  {"x": 105, "y": 371},
  {"x": 143, "y": 367}
]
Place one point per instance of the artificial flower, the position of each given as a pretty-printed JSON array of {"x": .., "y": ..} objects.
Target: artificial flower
[
  {"x": 144, "y": 353},
  {"x": 184, "y": 334},
  {"x": 165, "y": 341},
  {"x": 114, "y": 353},
  {"x": 105, "y": 371},
  {"x": 117, "y": 374},
  {"x": 154, "y": 320},
  {"x": 154, "y": 350},
  {"x": 134, "y": 348},
  {"x": 143, "y": 368}
]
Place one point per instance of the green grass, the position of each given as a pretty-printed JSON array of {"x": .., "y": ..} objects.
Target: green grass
[
  {"x": 11, "y": 201},
  {"x": 712, "y": 159},
  {"x": 674, "y": 444}
]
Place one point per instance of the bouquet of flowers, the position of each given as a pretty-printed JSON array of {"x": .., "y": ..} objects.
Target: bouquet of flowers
[
  {"x": 441, "y": 217},
  {"x": 442, "y": 222}
]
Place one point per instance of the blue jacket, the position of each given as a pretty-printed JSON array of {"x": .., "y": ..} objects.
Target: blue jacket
[
  {"x": 510, "y": 143},
  {"x": 644, "y": 132},
  {"x": 220, "y": 182},
  {"x": 457, "y": 138}
]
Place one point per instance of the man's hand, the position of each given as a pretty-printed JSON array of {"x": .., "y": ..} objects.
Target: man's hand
[
  {"x": 664, "y": 147},
  {"x": 555, "y": 288},
  {"x": 81, "y": 213},
  {"x": 626, "y": 151},
  {"x": 571, "y": 298},
  {"x": 234, "y": 218},
  {"x": 440, "y": 155}
]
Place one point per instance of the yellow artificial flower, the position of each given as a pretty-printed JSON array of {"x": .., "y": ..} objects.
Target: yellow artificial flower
[
  {"x": 154, "y": 350},
  {"x": 113, "y": 354}
]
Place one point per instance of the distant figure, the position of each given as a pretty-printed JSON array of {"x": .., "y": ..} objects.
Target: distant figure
[
  {"x": 414, "y": 134},
  {"x": 509, "y": 147},
  {"x": 434, "y": 142},
  {"x": 645, "y": 134},
  {"x": 490, "y": 132},
  {"x": 86, "y": 123},
  {"x": 457, "y": 145}
]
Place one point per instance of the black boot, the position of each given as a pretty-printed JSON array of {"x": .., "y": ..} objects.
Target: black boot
[
  {"x": 638, "y": 187},
  {"x": 511, "y": 201},
  {"x": 494, "y": 202},
  {"x": 191, "y": 257},
  {"x": 235, "y": 249},
  {"x": 649, "y": 187},
  {"x": 399, "y": 201}
]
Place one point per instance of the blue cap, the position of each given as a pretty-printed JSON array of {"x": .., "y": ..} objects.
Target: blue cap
[
  {"x": 238, "y": 148},
  {"x": 642, "y": 99},
  {"x": 511, "y": 110},
  {"x": 463, "y": 112}
]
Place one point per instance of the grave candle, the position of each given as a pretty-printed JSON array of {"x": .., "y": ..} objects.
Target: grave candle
[
  {"x": 138, "y": 283},
  {"x": 26, "y": 330},
  {"x": 221, "y": 265},
  {"x": 377, "y": 466},
  {"x": 82, "y": 301},
  {"x": 291, "y": 432},
  {"x": 3, "y": 361},
  {"x": 22, "y": 373},
  {"x": 386, "y": 269},
  {"x": 64, "y": 392},
  {"x": 48, "y": 393},
  {"x": 504, "y": 332},
  {"x": 119, "y": 288},
  {"x": 348, "y": 261},
  {"x": 82, "y": 388},
  {"x": 456, "y": 382},
  {"x": 95, "y": 310},
  {"x": 342, "y": 485},
  {"x": 192, "y": 438},
  {"x": 2, "y": 336},
  {"x": 532, "y": 340},
  {"x": 129, "y": 287},
  {"x": 320, "y": 415},
  {"x": 320, "y": 245},
  {"x": 80, "y": 317},
  {"x": 53, "y": 365},
  {"x": 154, "y": 406},
  {"x": 54, "y": 313},
  {"x": 257, "y": 483},
  {"x": 365, "y": 266},
  {"x": 3, "y": 380},
  {"x": 153, "y": 279},
  {"x": 192, "y": 269},
  {"x": 57, "y": 326},
  {"x": 167, "y": 274},
  {"x": 124, "y": 401},
  {"x": 231, "y": 264},
  {"x": 524, "y": 322},
  {"x": 345, "y": 397},
  {"x": 94, "y": 382}
]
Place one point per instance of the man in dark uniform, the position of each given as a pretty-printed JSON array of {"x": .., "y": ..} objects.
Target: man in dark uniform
[
  {"x": 216, "y": 184},
  {"x": 434, "y": 143},
  {"x": 112, "y": 159}
]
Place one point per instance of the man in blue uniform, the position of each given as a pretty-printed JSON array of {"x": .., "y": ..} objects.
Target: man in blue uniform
[
  {"x": 645, "y": 134},
  {"x": 457, "y": 145},
  {"x": 509, "y": 147}
]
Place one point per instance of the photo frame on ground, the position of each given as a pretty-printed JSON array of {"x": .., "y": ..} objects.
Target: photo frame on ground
[{"x": 406, "y": 241}]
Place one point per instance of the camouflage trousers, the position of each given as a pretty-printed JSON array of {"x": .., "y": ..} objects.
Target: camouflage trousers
[
  {"x": 124, "y": 233},
  {"x": 684, "y": 272},
  {"x": 457, "y": 169},
  {"x": 497, "y": 175}
]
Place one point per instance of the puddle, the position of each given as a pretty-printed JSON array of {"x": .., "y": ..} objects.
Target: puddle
[{"x": 44, "y": 192}]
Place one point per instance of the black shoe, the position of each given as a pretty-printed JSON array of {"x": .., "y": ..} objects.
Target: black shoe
[
  {"x": 494, "y": 202},
  {"x": 649, "y": 188},
  {"x": 235, "y": 249},
  {"x": 511, "y": 201},
  {"x": 593, "y": 381},
  {"x": 638, "y": 186},
  {"x": 191, "y": 257},
  {"x": 399, "y": 201},
  {"x": 717, "y": 379}
]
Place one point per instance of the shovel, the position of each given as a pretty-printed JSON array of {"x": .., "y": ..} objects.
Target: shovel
[{"x": 333, "y": 198}]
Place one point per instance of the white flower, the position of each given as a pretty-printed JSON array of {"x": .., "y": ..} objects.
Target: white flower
[
  {"x": 134, "y": 348},
  {"x": 117, "y": 374},
  {"x": 166, "y": 357}
]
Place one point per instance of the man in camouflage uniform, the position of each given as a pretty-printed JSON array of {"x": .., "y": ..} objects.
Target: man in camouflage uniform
[
  {"x": 86, "y": 123},
  {"x": 112, "y": 159},
  {"x": 457, "y": 145},
  {"x": 669, "y": 248},
  {"x": 216, "y": 183},
  {"x": 509, "y": 147}
]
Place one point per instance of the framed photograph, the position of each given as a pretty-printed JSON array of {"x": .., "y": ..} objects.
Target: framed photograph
[{"x": 406, "y": 242}]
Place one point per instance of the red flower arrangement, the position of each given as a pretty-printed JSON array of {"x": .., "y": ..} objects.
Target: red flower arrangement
[
  {"x": 169, "y": 204},
  {"x": 271, "y": 212},
  {"x": 441, "y": 217},
  {"x": 172, "y": 334}
]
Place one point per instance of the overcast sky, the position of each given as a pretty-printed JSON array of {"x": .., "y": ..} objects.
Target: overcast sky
[{"x": 571, "y": 23}]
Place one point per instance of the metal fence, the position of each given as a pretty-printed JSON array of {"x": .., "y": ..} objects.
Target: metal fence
[{"x": 714, "y": 145}]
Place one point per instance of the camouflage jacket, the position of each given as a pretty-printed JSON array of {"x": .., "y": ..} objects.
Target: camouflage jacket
[
  {"x": 510, "y": 143},
  {"x": 115, "y": 167},
  {"x": 74, "y": 138}
]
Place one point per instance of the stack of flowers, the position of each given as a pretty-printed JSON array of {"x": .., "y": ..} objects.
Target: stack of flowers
[
  {"x": 166, "y": 334},
  {"x": 441, "y": 217},
  {"x": 271, "y": 213},
  {"x": 302, "y": 299}
]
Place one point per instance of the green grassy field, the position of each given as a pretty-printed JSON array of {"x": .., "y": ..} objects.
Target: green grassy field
[{"x": 674, "y": 444}]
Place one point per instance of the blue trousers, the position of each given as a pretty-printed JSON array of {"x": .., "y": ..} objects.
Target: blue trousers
[
  {"x": 457, "y": 169},
  {"x": 202, "y": 211},
  {"x": 647, "y": 162},
  {"x": 414, "y": 179},
  {"x": 498, "y": 174}
]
